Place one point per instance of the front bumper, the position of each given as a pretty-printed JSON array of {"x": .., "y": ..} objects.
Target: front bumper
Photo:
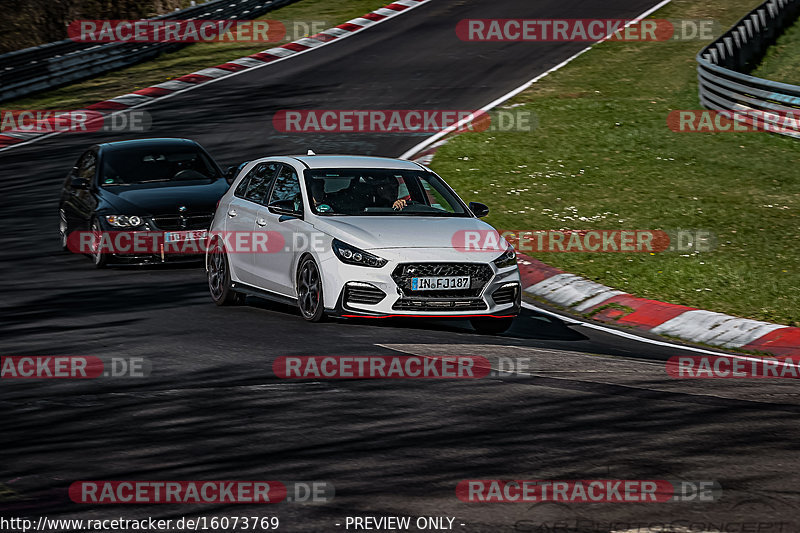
[
  {"x": 142, "y": 260},
  {"x": 374, "y": 292},
  {"x": 145, "y": 245}
]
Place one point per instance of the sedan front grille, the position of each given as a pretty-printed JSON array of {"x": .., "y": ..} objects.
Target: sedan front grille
[
  {"x": 479, "y": 274},
  {"x": 187, "y": 222}
]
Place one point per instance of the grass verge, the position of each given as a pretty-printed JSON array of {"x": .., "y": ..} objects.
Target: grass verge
[
  {"x": 603, "y": 157},
  {"x": 189, "y": 59},
  {"x": 782, "y": 62}
]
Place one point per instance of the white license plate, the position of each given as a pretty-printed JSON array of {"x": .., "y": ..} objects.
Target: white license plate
[
  {"x": 442, "y": 283},
  {"x": 180, "y": 236}
]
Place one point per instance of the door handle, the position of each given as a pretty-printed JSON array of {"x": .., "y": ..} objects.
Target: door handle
[
  {"x": 232, "y": 213},
  {"x": 261, "y": 222}
]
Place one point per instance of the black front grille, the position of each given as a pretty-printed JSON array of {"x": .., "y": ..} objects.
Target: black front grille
[
  {"x": 505, "y": 295},
  {"x": 363, "y": 295},
  {"x": 479, "y": 273},
  {"x": 188, "y": 222},
  {"x": 424, "y": 304}
]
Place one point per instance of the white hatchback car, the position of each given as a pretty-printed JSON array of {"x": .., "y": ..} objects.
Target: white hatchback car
[{"x": 358, "y": 236}]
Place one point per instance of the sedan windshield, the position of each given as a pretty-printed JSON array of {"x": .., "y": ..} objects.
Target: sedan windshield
[
  {"x": 372, "y": 191},
  {"x": 152, "y": 165}
]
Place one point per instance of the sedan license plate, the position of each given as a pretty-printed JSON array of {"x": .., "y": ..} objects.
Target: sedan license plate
[
  {"x": 440, "y": 283},
  {"x": 181, "y": 236}
]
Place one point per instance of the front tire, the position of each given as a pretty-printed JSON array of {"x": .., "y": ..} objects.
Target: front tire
[
  {"x": 309, "y": 291},
  {"x": 491, "y": 326},
  {"x": 99, "y": 258},
  {"x": 219, "y": 278}
]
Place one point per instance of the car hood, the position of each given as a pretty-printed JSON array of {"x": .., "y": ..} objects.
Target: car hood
[
  {"x": 398, "y": 232},
  {"x": 159, "y": 200}
]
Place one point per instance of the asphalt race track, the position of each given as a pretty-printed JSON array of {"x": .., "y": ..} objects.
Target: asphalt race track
[{"x": 595, "y": 405}]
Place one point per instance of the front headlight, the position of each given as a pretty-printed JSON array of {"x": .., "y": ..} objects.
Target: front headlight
[
  {"x": 509, "y": 258},
  {"x": 124, "y": 221},
  {"x": 355, "y": 256}
]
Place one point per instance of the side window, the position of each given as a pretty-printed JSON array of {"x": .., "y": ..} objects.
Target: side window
[
  {"x": 255, "y": 185},
  {"x": 242, "y": 187},
  {"x": 87, "y": 166},
  {"x": 287, "y": 187}
]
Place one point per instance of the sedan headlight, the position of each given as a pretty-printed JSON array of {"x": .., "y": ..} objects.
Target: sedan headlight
[
  {"x": 355, "y": 256},
  {"x": 124, "y": 221},
  {"x": 509, "y": 258}
]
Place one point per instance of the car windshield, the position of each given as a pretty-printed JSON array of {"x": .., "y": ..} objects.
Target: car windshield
[
  {"x": 387, "y": 192},
  {"x": 152, "y": 165}
]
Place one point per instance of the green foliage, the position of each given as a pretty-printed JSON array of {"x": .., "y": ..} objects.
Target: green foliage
[
  {"x": 28, "y": 23},
  {"x": 604, "y": 158},
  {"x": 188, "y": 59},
  {"x": 782, "y": 62}
]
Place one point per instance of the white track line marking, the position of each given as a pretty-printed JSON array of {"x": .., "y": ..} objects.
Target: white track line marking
[
  {"x": 251, "y": 69},
  {"x": 572, "y": 321},
  {"x": 430, "y": 140}
]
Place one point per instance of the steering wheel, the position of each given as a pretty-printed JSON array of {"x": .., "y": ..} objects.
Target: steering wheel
[{"x": 190, "y": 174}]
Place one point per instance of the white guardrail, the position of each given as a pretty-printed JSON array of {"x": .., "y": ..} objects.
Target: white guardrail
[
  {"x": 54, "y": 64},
  {"x": 721, "y": 67}
]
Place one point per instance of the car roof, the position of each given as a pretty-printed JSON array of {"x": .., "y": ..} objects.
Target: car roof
[
  {"x": 148, "y": 143},
  {"x": 354, "y": 161}
]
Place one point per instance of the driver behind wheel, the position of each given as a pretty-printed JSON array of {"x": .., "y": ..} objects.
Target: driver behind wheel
[
  {"x": 319, "y": 198},
  {"x": 387, "y": 192}
]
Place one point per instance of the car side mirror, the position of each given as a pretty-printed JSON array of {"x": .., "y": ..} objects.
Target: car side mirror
[
  {"x": 480, "y": 210},
  {"x": 284, "y": 207},
  {"x": 80, "y": 183},
  {"x": 230, "y": 174}
]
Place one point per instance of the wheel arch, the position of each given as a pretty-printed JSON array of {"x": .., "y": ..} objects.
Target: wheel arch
[{"x": 296, "y": 268}]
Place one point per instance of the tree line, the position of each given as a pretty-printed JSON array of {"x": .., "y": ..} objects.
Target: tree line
[{"x": 25, "y": 23}]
